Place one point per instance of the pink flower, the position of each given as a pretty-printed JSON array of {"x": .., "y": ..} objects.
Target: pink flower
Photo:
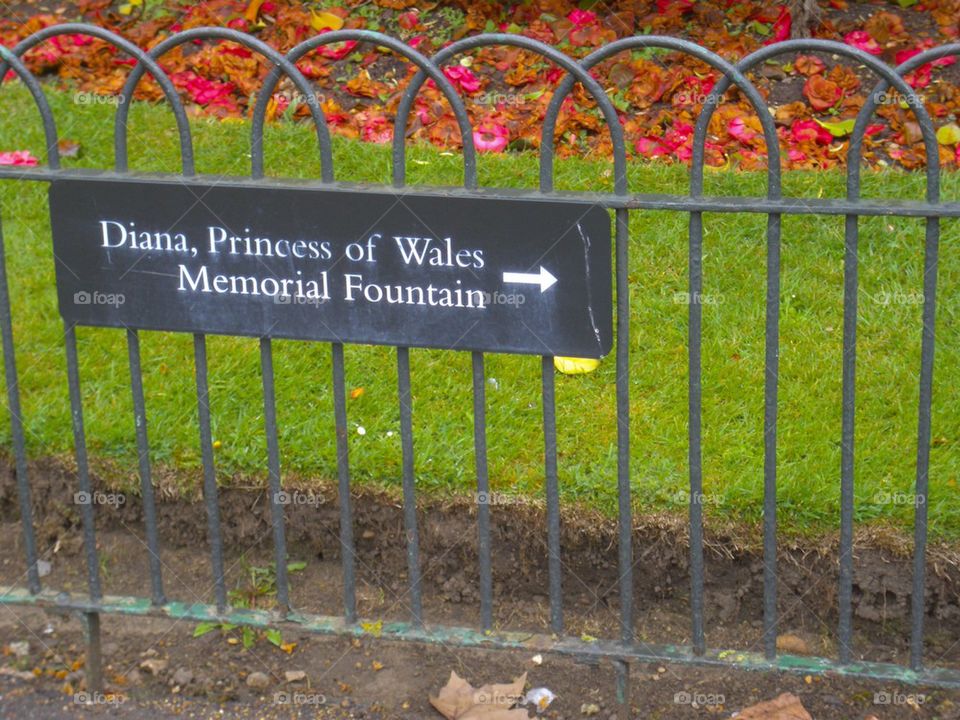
[
  {"x": 810, "y": 130},
  {"x": 862, "y": 40},
  {"x": 203, "y": 91},
  {"x": 738, "y": 129},
  {"x": 650, "y": 147},
  {"x": 796, "y": 155},
  {"x": 582, "y": 18},
  {"x": 462, "y": 78},
  {"x": 490, "y": 137},
  {"x": 374, "y": 128},
  {"x": 18, "y": 157}
]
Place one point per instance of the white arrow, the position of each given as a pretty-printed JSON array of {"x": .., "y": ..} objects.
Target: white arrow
[{"x": 543, "y": 278}]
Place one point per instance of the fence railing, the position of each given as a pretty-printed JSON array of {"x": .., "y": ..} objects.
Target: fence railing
[{"x": 627, "y": 647}]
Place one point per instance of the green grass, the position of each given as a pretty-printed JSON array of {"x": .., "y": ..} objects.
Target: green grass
[{"x": 811, "y": 323}]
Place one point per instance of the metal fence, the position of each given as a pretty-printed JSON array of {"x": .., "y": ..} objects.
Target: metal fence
[{"x": 626, "y": 648}]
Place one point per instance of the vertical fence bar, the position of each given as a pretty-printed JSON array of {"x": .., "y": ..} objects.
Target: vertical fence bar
[
  {"x": 143, "y": 456},
  {"x": 695, "y": 422},
  {"x": 347, "y": 547},
  {"x": 771, "y": 381},
  {"x": 273, "y": 462},
  {"x": 918, "y": 603},
  {"x": 91, "y": 620},
  {"x": 16, "y": 426},
  {"x": 625, "y": 518},
  {"x": 85, "y": 496},
  {"x": 554, "y": 566},
  {"x": 847, "y": 436},
  {"x": 483, "y": 491},
  {"x": 210, "y": 492},
  {"x": 93, "y": 662},
  {"x": 409, "y": 487}
]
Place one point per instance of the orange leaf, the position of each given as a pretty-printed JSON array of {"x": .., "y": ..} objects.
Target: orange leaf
[
  {"x": 356, "y": 392},
  {"x": 253, "y": 9}
]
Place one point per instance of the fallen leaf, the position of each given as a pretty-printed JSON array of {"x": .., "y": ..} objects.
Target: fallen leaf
[
  {"x": 69, "y": 148},
  {"x": 253, "y": 9},
  {"x": 325, "y": 21},
  {"x": 575, "y": 366},
  {"x": 373, "y": 628},
  {"x": 841, "y": 128},
  {"x": 792, "y": 645},
  {"x": 785, "y": 707},
  {"x": 459, "y": 700},
  {"x": 356, "y": 392},
  {"x": 949, "y": 134}
]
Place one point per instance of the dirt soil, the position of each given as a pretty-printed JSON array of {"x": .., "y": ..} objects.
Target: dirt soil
[{"x": 376, "y": 678}]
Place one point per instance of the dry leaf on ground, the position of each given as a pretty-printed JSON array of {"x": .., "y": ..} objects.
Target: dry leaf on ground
[
  {"x": 784, "y": 707},
  {"x": 459, "y": 700}
]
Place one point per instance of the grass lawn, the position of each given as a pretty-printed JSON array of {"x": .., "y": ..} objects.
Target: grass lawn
[{"x": 734, "y": 265}]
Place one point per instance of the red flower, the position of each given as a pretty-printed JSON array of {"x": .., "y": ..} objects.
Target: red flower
[
  {"x": 810, "y": 130},
  {"x": 678, "y": 6},
  {"x": 822, "y": 93},
  {"x": 582, "y": 18},
  {"x": 781, "y": 26},
  {"x": 862, "y": 40},
  {"x": 336, "y": 51},
  {"x": 903, "y": 55},
  {"x": 374, "y": 128}
]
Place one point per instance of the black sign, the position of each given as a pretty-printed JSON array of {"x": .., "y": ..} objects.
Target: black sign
[{"x": 475, "y": 273}]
